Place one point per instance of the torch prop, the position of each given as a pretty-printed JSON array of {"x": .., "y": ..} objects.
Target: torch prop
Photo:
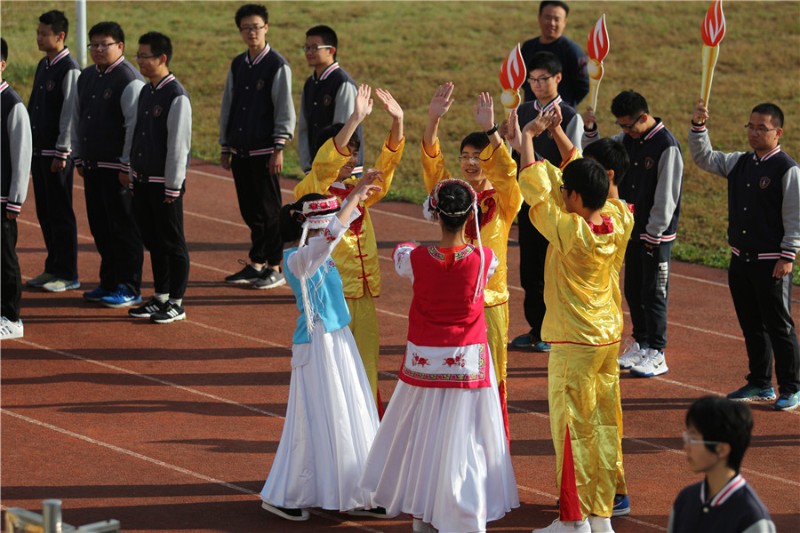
[
  {"x": 597, "y": 49},
  {"x": 713, "y": 30},
  {"x": 512, "y": 75}
]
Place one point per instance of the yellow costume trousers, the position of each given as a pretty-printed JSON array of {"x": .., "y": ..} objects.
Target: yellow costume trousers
[
  {"x": 364, "y": 325},
  {"x": 586, "y": 425},
  {"x": 497, "y": 334}
]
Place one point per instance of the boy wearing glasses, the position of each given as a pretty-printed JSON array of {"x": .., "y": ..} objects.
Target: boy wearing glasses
[
  {"x": 716, "y": 438},
  {"x": 764, "y": 235},
  {"x": 653, "y": 187},
  {"x": 104, "y": 115},
  {"x": 256, "y": 120},
  {"x": 328, "y": 96},
  {"x": 544, "y": 76}
]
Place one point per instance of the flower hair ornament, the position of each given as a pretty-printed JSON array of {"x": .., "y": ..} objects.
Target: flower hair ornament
[{"x": 431, "y": 211}]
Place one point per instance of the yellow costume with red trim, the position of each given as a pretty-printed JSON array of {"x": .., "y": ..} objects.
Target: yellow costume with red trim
[
  {"x": 583, "y": 324},
  {"x": 356, "y": 256},
  {"x": 499, "y": 206}
]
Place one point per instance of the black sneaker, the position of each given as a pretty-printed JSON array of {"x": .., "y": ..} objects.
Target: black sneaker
[
  {"x": 376, "y": 512},
  {"x": 245, "y": 276},
  {"x": 270, "y": 279},
  {"x": 147, "y": 310},
  {"x": 169, "y": 313}
]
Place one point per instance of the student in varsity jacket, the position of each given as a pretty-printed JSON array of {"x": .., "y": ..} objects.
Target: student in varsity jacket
[
  {"x": 15, "y": 166},
  {"x": 159, "y": 157},
  {"x": 256, "y": 120},
  {"x": 764, "y": 235},
  {"x": 52, "y": 166},
  {"x": 328, "y": 96},
  {"x": 104, "y": 115}
]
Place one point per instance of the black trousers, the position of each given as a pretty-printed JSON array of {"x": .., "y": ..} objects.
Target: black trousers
[
  {"x": 10, "y": 276},
  {"x": 161, "y": 226},
  {"x": 109, "y": 207},
  {"x": 647, "y": 291},
  {"x": 259, "y": 203},
  {"x": 763, "y": 307},
  {"x": 53, "y": 192},
  {"x": 532, "y": 254}
]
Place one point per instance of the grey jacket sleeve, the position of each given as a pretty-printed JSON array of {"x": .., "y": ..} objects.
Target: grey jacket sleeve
[
  {"x": 762, "y": 526},
  {"x": 574, "y": 130},
  {"x": 75, "y": 109},
  {"x": 225, "y": 112},
  {"x": 345, "y": 102},
  {"x": 708, "y": 159},
  {"x": 20, "y": 149},
  {"x": 179, "y": 142},
  {"x": 790, "y": 211},
  {"x": 668, "y": 191},
  {"x": 285, "y": 118},
  {"x": 69, "y": 88},
  {"x": 129, "y": 101},
  {"x": 303, "y": 146}
]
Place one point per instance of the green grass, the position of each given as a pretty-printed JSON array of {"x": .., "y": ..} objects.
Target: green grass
[{"x": 410, "y": 47}]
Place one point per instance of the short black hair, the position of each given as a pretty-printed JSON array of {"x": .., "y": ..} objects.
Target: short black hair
[
  {"x": 327, "y": 34},
  {"x": 159, "y": 43},
  {"x": 57, "y": 20},
  {"x": 329, "y": 132},
  {"x": 478, "y": 139},
  {"x": 289, "y": 221},
  {"x": 3, "y": 49},
  {"x": 547, "y": 61},
  {"x": 588, "y": 178},
  {"x": 628, "y": 104},
  {"x": 248, "y": 10},
  {"x": 771, "y": 110},
  {"x": 612, "y": 155},
  {"x": 454, "y": 197},
  {"x": 722, "y": 420},
  {"x": 109, "y": 29},
  {"x": 545, "y": 3}
]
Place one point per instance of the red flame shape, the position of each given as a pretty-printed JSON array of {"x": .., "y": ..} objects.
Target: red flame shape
[
  {"x": 598, "y": 44},
  {"x": 513, "y": 73},
  {"x": 714, "y": 24}
]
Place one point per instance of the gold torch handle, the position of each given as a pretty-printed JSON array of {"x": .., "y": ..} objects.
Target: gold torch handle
[{"x": 710, "y": 54}]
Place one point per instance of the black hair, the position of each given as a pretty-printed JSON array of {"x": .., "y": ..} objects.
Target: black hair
[
  {"x": 454, "y": 198},
  {"x": 159, "y": 43},
  {"x": 628, "y": 104},
  {"x": 588, "y": 178},
  {"x": 3, "y": 49},
  {"x": 327, "y": 34},
  {"x": 477, "y": 139},
  {"x": 771, "y": 110},
  {"x": 612, "y": 155},
  {"x": 722, "y": 420},
  {"x": 57, "y": 20},
  {"x": 290, "y": 220},
  {"x": 329, "y": 132},
  {"x": 547, "y": 61},
  {"x": 109, "y": 29},
  {"x": 545, "y": 3},
  {"x": 248, "y": 10}
]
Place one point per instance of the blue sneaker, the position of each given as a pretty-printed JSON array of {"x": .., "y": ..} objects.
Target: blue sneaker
[
  {"x": 122, "y": 297},
  {"x": 523, "y": 341},
  {"x": 751, "y": 393},
  {"x": 622, "y": 505},
  {"x": 96, "y": 294},
  {"x": 787, "y": 401},
  {"x": 541, "y": 346}
]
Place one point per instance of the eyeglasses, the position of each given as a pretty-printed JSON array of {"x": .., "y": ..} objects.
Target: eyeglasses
[
  {"x": 689, "y": 440},
  {"x": 316, "y": 48},
  {"x": 139, "y": 57},
  {"x": 540, "y": 81},
  {"x": 251, "y": 29},
  {"x": 469, "y": 159},
  {"x": 632, "y": 124},
  {"x": 100, "y": 47},
  {"x": 761, "y": 130}
]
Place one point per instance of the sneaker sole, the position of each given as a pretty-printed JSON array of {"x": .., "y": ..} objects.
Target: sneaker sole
[
  {"x": 276, "y": 284},
  {"x": 755, "y": 399},
  {"x": 621, "y": 512},
  {"x": 365, "y": 512},
  {"x": 140, "y": 315},
  {"x": 242, "y": 281},
  {"x": 169, "y": 320},
  {"x": 14, "y": 336},
  {"x": 121, "y": 305},
  {"x": 304, "y": 515},
  {"x": 92, "y": 298},
  {"x": 63, "y": 289},
  {"x": 640, "y": 374},
  {"x": 792, "y": 408}
]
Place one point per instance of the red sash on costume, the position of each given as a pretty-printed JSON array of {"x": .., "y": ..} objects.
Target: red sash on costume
[
  {"x": 488, "y": 209},
  {"x": 341, "y": 193}
]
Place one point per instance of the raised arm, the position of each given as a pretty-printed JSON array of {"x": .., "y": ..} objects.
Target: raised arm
[
  {"x": 362, "y": 108},
  {"x": 396, "y": 112},
  {"x": 484, "y": 115},
  {"x": 440, "y": 104}
]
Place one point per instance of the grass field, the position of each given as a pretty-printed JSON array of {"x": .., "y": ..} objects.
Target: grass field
[{"x": 410, "y": 47}]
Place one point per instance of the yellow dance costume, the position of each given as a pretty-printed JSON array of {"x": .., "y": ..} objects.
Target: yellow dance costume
[
  {"x": 499, "y": 207},
  {"x": 356, "y": 256},
  {"x": 583, "y": 324}
]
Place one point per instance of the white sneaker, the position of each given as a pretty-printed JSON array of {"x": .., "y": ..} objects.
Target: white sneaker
[
  {"x": 600, "y": 524},
  {"x": 654, "y": 364},
  {"x": 632, "y": 357},
  {"x": 567, "y": 527},
  {"x": 11, "y": 330}
]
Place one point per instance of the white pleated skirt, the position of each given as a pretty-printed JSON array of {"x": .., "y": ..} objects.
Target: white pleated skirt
[
  {"x": 331, "y": 422},
  {"x": 441, "y": 455}
]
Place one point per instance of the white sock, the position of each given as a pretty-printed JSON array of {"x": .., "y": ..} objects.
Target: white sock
[
  {"x": 162, "y": 298},
  {"x": 178, "y": 301}
]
